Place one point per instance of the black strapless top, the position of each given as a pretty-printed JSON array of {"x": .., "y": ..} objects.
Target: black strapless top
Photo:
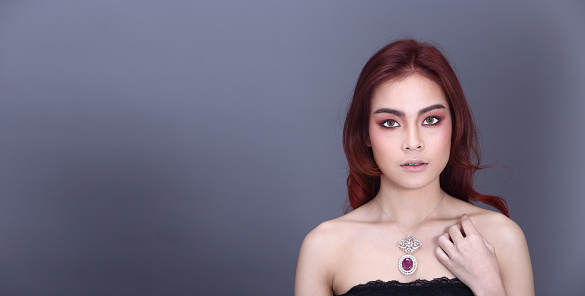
[{"x": 439, "y": 286}]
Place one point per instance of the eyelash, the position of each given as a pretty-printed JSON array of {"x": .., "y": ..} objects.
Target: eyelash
[
  {"x": 436, "y": 118},
  {"x": 388, "y": 122}
]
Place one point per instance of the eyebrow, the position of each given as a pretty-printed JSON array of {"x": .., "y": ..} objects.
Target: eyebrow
[{"x": 401, "y": 114}]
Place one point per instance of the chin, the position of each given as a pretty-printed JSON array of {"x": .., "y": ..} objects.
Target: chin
[{"x": 413, "y": 183}]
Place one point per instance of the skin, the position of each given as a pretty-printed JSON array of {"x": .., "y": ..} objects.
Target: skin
[{"x": 484, "y": 249}]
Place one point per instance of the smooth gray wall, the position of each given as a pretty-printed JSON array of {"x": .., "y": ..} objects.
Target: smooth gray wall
[{"x": 186, "y": 148}]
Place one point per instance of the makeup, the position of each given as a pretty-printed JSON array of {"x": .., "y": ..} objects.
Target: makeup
[{"x": 414, "y": 165}]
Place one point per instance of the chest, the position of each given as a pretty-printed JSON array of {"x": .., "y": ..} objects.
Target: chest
[{"x": 375, "y": 255}]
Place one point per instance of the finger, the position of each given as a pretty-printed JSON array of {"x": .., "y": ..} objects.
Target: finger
[
  {"x": 455, "y": 233},
  {"x": 468, "y": 226},
  {"x": 446, "y": 244},
  {"x": 443, "y": 257}
]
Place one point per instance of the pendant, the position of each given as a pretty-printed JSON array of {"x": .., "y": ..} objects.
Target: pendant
[{"x": 407, "y": 263}]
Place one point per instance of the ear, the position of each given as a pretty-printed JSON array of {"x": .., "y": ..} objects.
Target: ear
[{"x": 368, "y": 142}]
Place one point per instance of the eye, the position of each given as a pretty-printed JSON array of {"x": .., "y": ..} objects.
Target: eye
[
  {"x": 389, "y": 123},
  {"x": 431, "y": 120}
]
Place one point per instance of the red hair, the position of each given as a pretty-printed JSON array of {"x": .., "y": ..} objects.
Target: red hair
[{"x": 398, "y": 60}]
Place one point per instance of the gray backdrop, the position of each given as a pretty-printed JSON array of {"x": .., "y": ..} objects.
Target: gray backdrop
[{"x": 186, "y": 148}]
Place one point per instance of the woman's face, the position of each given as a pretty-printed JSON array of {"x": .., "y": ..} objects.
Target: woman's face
[{"x": 410, "y": 131}]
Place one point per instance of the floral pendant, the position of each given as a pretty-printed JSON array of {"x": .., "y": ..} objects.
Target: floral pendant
[{"x": 407, "y": 263}]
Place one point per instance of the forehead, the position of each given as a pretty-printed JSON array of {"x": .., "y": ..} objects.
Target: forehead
[{"x": 408, "y": 94}]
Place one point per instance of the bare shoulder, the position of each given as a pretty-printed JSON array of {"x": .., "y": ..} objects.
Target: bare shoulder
[
  {"x": 494, "y": 226},
  {"x": 498, "y": 229},
  {"x": 503, "y": 233},
  {"x": 510, "y": 247},
  {"x": 319, "y": 255},
  {"x": 331, "y": 235},
  {"x": 324, "y": 237}
]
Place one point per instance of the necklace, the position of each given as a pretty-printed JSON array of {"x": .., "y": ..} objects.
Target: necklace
[{"x": 407, "y": 263}]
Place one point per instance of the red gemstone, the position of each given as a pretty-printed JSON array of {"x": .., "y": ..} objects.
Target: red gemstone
[{"x": 407, "y": 264}]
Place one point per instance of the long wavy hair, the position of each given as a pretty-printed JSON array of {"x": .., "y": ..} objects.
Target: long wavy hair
[{"x": 398, "y": 60}]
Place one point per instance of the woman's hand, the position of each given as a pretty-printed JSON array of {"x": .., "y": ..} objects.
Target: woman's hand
[{"x": 471, "y": 258}]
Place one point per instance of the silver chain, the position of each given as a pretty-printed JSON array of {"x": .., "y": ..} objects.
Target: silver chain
[{"x": 442, "y": 196}]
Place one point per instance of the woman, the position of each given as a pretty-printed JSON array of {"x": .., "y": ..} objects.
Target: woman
[{"x": 411, "y": 146}]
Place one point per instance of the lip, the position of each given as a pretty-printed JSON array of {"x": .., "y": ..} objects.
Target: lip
[{"x": 414, "y": 165}]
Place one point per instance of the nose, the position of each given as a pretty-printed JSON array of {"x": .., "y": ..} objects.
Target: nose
[{"x": 412, "y": 140}]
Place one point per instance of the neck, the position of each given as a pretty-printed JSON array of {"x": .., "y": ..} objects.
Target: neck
[{"x": 409, "y": 207}]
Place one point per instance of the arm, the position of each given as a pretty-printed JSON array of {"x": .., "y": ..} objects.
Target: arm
[
  {"x": 470, "y": 257},
  {"x": 314, "y": 274},
  {"x": 513, "y": 258}
]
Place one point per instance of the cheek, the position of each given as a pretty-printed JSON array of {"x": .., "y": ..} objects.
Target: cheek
[
  {"x": 378, "y": 137},
  {"x": 443, "y": 139},
  {"x": 381, "y": 144}
]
